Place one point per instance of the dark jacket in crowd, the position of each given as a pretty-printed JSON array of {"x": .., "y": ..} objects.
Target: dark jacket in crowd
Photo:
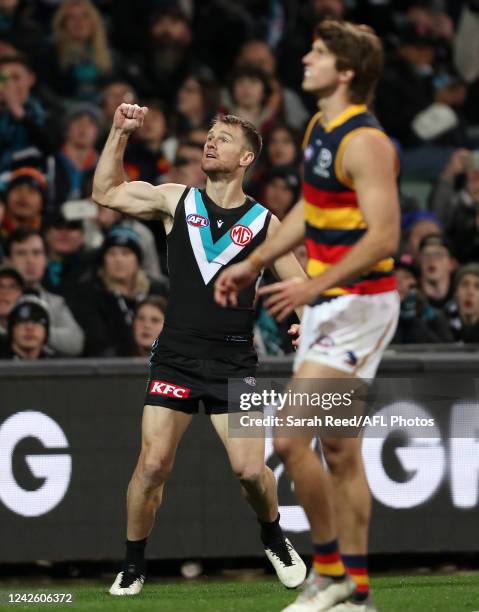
[{"x": 106, "y": 316}]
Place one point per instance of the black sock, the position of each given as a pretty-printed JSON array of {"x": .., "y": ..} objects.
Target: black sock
[
  {"x": 135, "y": 552},
  {"x": 271, "y": 532}
]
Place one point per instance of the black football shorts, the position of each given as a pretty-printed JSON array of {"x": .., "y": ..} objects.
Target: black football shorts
[{"x": 179, "y": 382}]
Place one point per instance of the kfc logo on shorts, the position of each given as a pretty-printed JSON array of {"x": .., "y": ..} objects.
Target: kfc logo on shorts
[
  {"x": 197, "y": 220},
  {"x": 241, "y": 235},
  {"x": 160, "y": 387}
]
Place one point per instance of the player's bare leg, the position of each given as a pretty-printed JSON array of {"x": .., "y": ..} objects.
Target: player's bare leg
[
  {"x": 259, "y": 487},
  {"x": 162, "y": 430},
  {"x": 337, "y": 503}
]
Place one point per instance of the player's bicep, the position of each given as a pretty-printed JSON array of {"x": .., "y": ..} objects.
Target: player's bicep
[
  {"x": 143, "y": 200},
  {"x": 371, "y": 162}
]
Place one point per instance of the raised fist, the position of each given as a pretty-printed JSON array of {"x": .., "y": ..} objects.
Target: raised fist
[{"x": 129, "y": 117}]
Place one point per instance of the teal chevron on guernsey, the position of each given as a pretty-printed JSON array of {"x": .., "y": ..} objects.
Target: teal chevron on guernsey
[
  {"x": 212, "y": 256},
  {"x": 213, "y": 249}
]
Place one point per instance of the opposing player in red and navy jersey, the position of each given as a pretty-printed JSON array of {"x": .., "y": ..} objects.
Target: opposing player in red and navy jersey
[{"x": 349, "y": 218}]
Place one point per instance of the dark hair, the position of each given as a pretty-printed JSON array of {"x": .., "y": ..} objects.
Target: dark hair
[
  {"x": 247, "y": 71},
  {"x": 16, "y": 59},
  {"x": 250, "y": 133},
  {"x": 293, "y": 134},
  {"x": 22, "y": 234},
  {"x": 210, "y": 92},
  {"x": 356, "y": 48},
  {"x": 157, "y": 301}
]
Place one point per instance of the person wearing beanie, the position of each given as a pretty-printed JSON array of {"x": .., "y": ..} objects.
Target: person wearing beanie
[
  {"x": 465, "y": 323},
  {"x": 76, "y": 161},
  {"x": 105, "y": 306},
  {"x": 25, "y": 199},
  {"x": 28, "y": 330}
]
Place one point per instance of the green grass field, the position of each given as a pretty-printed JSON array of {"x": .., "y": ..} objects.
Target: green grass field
[{"x": 458, "y": 593}]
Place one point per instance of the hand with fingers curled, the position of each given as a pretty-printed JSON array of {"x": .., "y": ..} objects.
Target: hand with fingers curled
[
  {"x": 295, "y": 332},
  {"x": 129, "y": 117},
  {"x": 287, "y": 295}
]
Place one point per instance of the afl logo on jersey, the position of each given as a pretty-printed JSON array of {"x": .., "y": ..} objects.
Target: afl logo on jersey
[
  {"x": 241, "y": 235},
  {"x": 197, "y": 221}
]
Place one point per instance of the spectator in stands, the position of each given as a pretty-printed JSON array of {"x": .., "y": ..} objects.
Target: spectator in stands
[
  {"x": 24, "y": 33},
  {"x": 106, "y": 220},
  {"x": 259, "y": 54},
  {"x": 148, "y": 155},
  {"x": 418, "y": 321},
  {"x": 105, "y": 307},
  {"x": 69, "y": 262},
  {"x": 113, "y": 95},
  {"x": 465, "y": 323},
  {"x": 11, "y": 288},
  {"x": 25, "y": 199},
  {"x": 80, "y": 60},
  {"x": 281, "y": 148},
  {"x": 415, "y": 226},
  {"x": 147, "y": 324},
  {"x": 419, "y": 105},
  {"x": 456, "y": 198},
  {"x": 186, "y": 169},
  {"x": 24, "y": 120},
  {"x": 437, "y": 265},
  {"x": 27, "y": 252},
  {"x": 167, "y": 56},
  {"x": 28, "y": 331},
  {"x": 2, "y": 238},
  {"x": 282, "y": 188},
  {"x": 75, "y": 163},
  {"x": 250, "y": 93},
  {"x": 197, "y": 102}
]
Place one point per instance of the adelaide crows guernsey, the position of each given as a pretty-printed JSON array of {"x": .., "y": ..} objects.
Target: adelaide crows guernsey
[
  {"x": 334, "y": 222},
  {"x": 204, "y": 239}
]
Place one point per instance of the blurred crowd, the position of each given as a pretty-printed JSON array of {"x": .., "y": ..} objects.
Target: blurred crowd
[{"x": 78, "y": 280}]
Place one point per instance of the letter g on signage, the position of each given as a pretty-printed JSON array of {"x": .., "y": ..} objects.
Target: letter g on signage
[{"x": 54, "y": 469}]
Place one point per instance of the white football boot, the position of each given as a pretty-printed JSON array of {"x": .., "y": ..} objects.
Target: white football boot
[
  {"x": 321, "y": 593},
  {"x": 288, "y": 565}
]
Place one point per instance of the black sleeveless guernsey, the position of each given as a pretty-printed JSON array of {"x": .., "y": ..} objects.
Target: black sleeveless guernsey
[{"x": 205, "y": 238}]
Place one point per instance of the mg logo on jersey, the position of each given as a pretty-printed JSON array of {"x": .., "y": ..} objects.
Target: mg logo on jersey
[
  {"x": 160, "y": 387},
  {"x": 241, "y": 235},
  {"x": 197, "y": 221}
]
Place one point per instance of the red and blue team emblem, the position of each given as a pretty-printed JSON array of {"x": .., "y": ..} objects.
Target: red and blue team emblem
[
  {"x": 197, "y": 220},
  {"x": 241, "y": 235}
]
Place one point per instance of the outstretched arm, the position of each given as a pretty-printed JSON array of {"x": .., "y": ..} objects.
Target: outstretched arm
[
  {"x": 281, "y": 239},
  {"x": 135, "y": 198}
]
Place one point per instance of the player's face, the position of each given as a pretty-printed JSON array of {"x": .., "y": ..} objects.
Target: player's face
[
  {"x": 467, "y": 296},
  {"x": 225, "y": 150},
  {"x": 320, "y": 74}
]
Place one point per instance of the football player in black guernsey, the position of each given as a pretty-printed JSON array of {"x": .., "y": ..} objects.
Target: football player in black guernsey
[{"x": 202, "y": 345}]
